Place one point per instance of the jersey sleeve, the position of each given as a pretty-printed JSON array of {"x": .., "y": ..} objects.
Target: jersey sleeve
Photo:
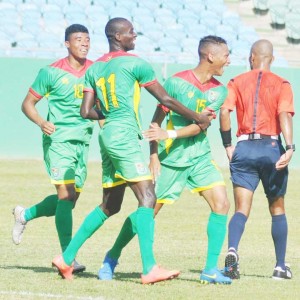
[
  {"x": 42, "y": 83},
  {"x": 144, "y": 73},
  {"x": 230, "y": 101},
  {"x": 286, "y": 99},
  {"x": 88, "y": 81},
  {"x": 221, "y": 96}
]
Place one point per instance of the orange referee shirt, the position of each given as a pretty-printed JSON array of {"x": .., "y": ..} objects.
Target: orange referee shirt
[{"x": 259, "y": 96}]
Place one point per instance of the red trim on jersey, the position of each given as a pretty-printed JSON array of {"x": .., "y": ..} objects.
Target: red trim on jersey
[
  {"x": 164, "y": 108},
  {"x": 190, "y": 77},
  {"x": 65, "y": 65},
  {"x": 110, "y": 55},
  {"x": 89, "y": 90},
  {"x": 34, "y": 93},
  {"x": 148, "y": 83}
]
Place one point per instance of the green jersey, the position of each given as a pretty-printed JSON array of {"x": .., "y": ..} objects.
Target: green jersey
[
  {"x": 116, "y": 79},
  {"x": 187, "y": 89},
  {"x": 63, "y": 87}
]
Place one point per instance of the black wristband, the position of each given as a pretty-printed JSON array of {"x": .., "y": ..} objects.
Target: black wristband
[
  {"x": 288, "y": 147},
  {"x": 226, "y": 138}
]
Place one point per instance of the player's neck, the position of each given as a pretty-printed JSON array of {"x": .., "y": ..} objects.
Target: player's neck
[
  {"x": 203, "y": 75},
  {"x": 76, "y": 63}
]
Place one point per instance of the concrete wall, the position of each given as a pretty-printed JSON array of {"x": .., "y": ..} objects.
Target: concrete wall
[{"x": 21, "y": 139}]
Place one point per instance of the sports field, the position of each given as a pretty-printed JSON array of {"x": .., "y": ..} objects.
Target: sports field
[{"x": 180, "y": 243}]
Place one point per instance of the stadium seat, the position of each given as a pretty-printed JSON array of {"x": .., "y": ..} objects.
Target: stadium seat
[
  {"x": 76, "y": 18},
  {"x": 173, "y": 5},
  {"x": 175, "y": 31},
  {"x": 60, "y": 3},
  {"x": 189, "y": 45},
  {"x": 260, "y": 7},
  {"x": 217, "y": 7},
  {"x": 210, "y": 20},
  {"x": 277, "y": 13},
  {"x": 197, "y": 31},
  {"x": 292, "y": 27},
  {"x": 49, "y": 41},
  {"x": 232, "y": 19},
  {"x": 106, "y": 4}
]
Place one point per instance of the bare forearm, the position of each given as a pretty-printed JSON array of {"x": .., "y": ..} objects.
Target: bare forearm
[{"x": 286, "y": 125}]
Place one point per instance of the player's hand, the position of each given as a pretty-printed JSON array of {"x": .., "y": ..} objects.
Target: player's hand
[
  {"x": 47, "y": 127},
  {"x": 204, "y": 120},
  {"x": 284, "y": 160},
  {"x": 155, "y": 133},
  {"x": 229, "y": 152},
  {"x": 154, "y": 167}
]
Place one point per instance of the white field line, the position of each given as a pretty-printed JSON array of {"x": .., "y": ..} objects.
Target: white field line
[{"x": 47, "y": 295}]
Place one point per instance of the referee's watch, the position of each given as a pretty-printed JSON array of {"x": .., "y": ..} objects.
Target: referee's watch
[{"x": 288, "y": 147}]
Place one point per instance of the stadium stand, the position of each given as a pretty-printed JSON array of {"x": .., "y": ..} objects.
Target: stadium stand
[{"x": 169, "y": 30}]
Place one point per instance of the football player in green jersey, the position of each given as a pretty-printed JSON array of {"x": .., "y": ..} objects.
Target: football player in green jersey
[
  {"x": 66, "y": 135},
  {"x": 115, "y": 79},
  {"x": 184, "y": 158}
]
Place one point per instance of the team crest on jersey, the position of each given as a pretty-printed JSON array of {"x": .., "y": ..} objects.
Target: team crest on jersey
[
  {"x": 141, "y": 168},
  {"x": 213, "y": 96},
  {"x": 65, "y": 80},
  {"x": 191, "y": 94},
  {"x": 55, "y": 172}
]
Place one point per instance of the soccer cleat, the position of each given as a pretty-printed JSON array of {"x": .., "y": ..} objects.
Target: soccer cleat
[
  {"x": 106, "y": 271},
  {"x": 78, "y": 267},
  {"x": 64, "y": 270},
  {"x": 232, "y": 269},
  {"x": 280, "y": 274},
  {"x": 214, "y": 276},
  {"x": 20, "y": 224},
  {"x": 158, "y": 274}
]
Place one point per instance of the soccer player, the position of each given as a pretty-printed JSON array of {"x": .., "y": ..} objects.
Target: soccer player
[
  {"x": 264, "y": 107},
  {"x": 115, "y": 79},
  {"x": 66, "y": 136},
  {"x": 185, "y": 156}
]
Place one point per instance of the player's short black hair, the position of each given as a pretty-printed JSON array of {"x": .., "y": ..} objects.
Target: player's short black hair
[
  {"x": 113, "y": 25},
  {"x": 208, "y": 40},
  {"x": 73, "y": 29}
]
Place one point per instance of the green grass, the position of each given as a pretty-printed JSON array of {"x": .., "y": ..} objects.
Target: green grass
[{"x": 180, "y": 243}]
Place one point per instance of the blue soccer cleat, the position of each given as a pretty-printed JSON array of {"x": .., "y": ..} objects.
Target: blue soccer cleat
[
  {"x": 214, "y": 276},
  {"x": 106, "y": 271}
]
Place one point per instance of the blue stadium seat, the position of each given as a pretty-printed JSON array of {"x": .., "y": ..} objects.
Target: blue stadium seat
[
  {"x": 278, "y": 14},
  {"x": 232, "y": 19},
  {"x": 60, "y": 3}
]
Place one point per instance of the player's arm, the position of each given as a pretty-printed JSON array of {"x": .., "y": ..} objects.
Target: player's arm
[
  {"x": 154, "y": 166},
  {"x": 88, "y": 109},
  {"x": 30, "y": 111},
  {"x": 157, "y": 90},
  {"x": 156, "y": 133},
  {"x": 225, "y": 130},
  {"x": 286, "y": 125}
]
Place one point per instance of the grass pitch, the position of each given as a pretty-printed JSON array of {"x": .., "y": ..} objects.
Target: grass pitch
[{"x": 180, "y": 243}]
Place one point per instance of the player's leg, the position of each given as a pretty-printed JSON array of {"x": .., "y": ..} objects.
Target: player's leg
[
  {"x": 279, "y": 231},
  {"x": 275, "y": 186},
  {"x": 206, "y": 178},
  {"x": 144, "y": 191},
  {"x": 243, "y": 202},
  {"x": 245, "y": 178},
  {"x": 22, "y": 215},
  {"x": 112, "y": 200},
  {"x": 47, "y": 207}
]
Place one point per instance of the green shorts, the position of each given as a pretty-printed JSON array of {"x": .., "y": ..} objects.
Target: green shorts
[
  {"x": 200, "y": 177},
  {"x": 66, "y": 162},
  {"x": 122, "y": 156}
]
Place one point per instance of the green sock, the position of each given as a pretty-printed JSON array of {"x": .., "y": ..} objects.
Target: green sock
[
  {"x": 46, "y": 208},
  {"x": 126, "y": 234},
  {"x": 64, "y": 222},
  {"x": 216, "y": 230},
  {"x": 145, "y": 231},
  {"x": 90, "y": 224}
]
